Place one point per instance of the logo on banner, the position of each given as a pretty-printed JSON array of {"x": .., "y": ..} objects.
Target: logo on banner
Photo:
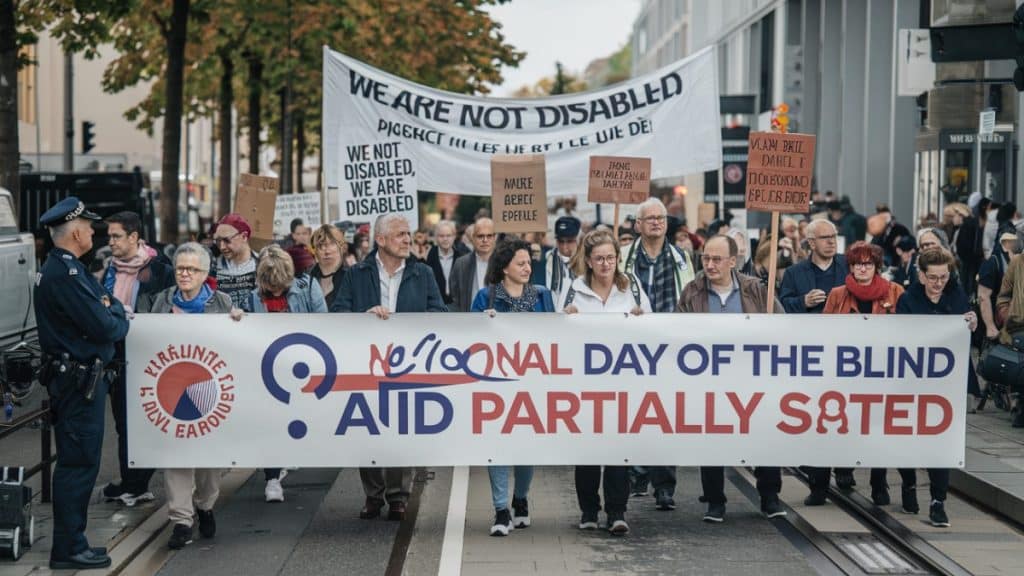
[{"x": 191, "y": 393}]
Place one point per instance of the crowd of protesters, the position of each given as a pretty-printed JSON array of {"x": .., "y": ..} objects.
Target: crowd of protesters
[{"x": 832, "y": 261}]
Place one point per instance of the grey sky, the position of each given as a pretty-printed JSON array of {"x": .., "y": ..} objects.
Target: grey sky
[{"x": 573, "y": 32}]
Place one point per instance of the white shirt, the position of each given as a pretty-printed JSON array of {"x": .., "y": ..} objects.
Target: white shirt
[
  {"x": 446, "y": 263},
  {"x": 586, "y": 300},
  {"x": 481, "y": 272},
  {"x": 389, "y": 284}
]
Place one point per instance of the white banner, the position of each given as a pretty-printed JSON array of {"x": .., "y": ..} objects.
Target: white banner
[
  {"x": 379, "y": 128},
  {"x": 466, "y": 389}
]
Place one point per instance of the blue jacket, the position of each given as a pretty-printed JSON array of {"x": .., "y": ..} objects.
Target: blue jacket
[
  {"x": 799, "y": 280},
  {"x": 304, "y": 296},
  {"x": 360, "y": 288},
  {"x": 482, "y": 301}
]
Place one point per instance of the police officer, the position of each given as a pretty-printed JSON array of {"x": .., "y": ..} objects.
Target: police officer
[{"x": 79, "y": 322}]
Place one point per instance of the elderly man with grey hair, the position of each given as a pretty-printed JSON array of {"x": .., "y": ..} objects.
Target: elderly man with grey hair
[
  {"x": 443, "y": 254},
  {"x": 663, "y": 271},
  {"x": 387, "y": 281}
]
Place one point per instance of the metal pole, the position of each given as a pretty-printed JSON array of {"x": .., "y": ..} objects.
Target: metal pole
[
  {"x": 35, "y": 116},
  {"x": 69, "y": 117},
  {"x": 977, "y": 163}
]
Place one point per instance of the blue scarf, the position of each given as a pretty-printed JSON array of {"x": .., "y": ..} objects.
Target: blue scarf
[{"x": 197, "y": 304}]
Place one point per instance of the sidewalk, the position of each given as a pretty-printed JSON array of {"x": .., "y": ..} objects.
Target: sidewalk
[{"x": 993, "y": 474}]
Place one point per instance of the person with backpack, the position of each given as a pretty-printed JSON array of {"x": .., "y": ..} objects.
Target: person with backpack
[{"x": 600, "y": 286}]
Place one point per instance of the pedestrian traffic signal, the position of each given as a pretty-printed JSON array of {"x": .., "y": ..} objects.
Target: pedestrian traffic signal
[{"x": 87, "y": 136}]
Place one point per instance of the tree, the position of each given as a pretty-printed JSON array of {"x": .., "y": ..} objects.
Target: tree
[{"x": 561, "y": 83}]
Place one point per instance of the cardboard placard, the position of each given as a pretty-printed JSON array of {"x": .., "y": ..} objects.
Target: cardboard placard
[
  {"x": 519, "y": 199},
  {"x": 780, "y": 168},
  {"x": 619, "y": 179},
  {"x": 255, "y": 201}
]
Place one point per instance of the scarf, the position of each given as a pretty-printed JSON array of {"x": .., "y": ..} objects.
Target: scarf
[
  {"x": 275, "y": 303},
  {"x": 662, "y": 291},
  {"x": 195, "y": 305},
  {"x": 524, "y": 303},
  {"x": 877, "y": 290},
  {"x": 122, "y": 277}
]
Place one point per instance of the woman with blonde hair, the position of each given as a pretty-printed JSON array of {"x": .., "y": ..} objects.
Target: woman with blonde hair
[{"x": 329, "y": 249}]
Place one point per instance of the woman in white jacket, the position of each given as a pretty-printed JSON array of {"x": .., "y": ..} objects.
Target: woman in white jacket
[{"x": 600, "y": 287}]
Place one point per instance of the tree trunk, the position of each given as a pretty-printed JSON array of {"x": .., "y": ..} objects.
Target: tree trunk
[
  {"x": 174, "y": 95},
  {"x": 255, "y": 121},
  {"x": 227, "y": 98},
  {"x": 300, "y": 149},
  {"x": 285, "y": 154},
  {"x": 9, "y": 146}
]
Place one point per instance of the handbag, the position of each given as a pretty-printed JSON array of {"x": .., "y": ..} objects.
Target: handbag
[{"x": 1005, "y": 364}]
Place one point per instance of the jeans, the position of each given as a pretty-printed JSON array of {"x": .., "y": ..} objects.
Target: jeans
[
  {"x": 499, "y": 484},
  {"x": 712, "y": 479},
  {"x": 663, "y": 478},
  {"x": 616, "y": 488}
]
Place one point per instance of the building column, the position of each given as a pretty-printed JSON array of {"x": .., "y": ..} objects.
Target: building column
[{"x": 854, "y": 84}]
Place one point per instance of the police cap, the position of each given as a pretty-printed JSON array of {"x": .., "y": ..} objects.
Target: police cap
[
  {"x": 567, "y": 227},
  {"x": 65, "y": 211}
]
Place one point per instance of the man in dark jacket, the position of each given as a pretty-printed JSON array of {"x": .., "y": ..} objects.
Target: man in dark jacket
[
  {"x": 135, "y": 272},
  {"x": 442, "y": 256},
  {"x": 388, "y": 280},
  {"x": 718, "y": 289}
]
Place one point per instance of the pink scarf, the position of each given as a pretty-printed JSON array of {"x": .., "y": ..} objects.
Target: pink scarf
[{"x": 127, "y": 273}]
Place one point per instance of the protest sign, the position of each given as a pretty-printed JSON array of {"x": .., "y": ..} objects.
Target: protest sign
[
  {"x": 277, "y": 390},
  {"x": 619, "y": 179},
  {"x": 669, "y": 115},
  {"x": 780, "y": 167},
  {"x": 255, "y": 201},
  {"x": 378, "y": 178},
  {"x": 291, "y": 206},
  {"x": 519, "y": 201}
]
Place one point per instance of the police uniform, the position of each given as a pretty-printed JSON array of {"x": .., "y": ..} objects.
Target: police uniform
[{"x": 78, "y": 323}]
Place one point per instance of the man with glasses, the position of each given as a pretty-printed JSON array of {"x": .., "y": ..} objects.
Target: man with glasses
[
  {"x": 443, "y": 255},
  {"x": 663, "y": 271},
  {"x": 805, "y": 288},
  {"x": 135, "y": 274},
  {"x": 556, "y": 273},
  {"x": 719, "y": 289},
  {"x": 467, "y": 276},
  {"x": 235, "y": 268}
]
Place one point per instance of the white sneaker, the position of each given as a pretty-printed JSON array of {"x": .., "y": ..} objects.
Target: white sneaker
[
  {"x": 274, "y": 492},
  {"x": 133, "y": 499}
]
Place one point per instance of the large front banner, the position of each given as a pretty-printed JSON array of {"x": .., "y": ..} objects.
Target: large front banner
[
  {"x": 466, "y": 389},
  {"x": 384, "y": 137}
]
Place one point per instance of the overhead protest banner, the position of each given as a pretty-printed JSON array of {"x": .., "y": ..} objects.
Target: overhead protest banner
[
  {"x": 256, "y": 201},
  {"x": 619, "y": 179},
  {"x": 670, "y": 115},
  {"x": 291, "y": 206},
  {"x": 519, "y": 201},
  {"x": 292, "y": 390},
  {"x": 780, "y": 170}
]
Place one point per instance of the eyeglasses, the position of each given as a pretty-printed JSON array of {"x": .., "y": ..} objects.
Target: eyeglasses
[
  {"x": 602, "y": 260},
  {"x": 863, "y": 264},
  {"x": 484, "y": 236},
  {"x": 936, "y": 279},
  {"x": 716, "y": 260},
  {"x": 830, "y": 238},
  {"x": 653, "y": 219},
  {"x": 187, "y": 270},
  {"x": 225, "y": 239}
]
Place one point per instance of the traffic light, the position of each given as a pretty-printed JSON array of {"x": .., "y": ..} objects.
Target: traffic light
[{"x": 87, "y": 136}]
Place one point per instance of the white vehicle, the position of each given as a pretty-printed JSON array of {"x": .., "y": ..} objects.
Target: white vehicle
[{"x": 17, "y": 276}]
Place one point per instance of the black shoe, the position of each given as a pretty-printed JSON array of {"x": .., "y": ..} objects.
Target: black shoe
[
  {"x": 112, "y": 492},
  {"x": 640, "y": 488},
  {"x": 663, "y": 500},
  {"x": 207, "y": 525},
  {"x": 371, "y": 509},
  {"x": 715, "y": 513},
  {"x": 84, "y": 560},
  {"x": 909, "y": 497},
  {"x": 520, "y": 513},
  {"x": 845, "y": 480},
  {"x": 588, "y": 521},
  {"x": 180, "y": 537},
  {"x": 502, "y": 522},
  {"x": 880, "y": 496},
  {"x": 396, "y": 511},
  {"x": 815, "y": 498},
  {"x": 937, "y": 514},
  {"x": 1018, "y": 418},
  {"x": 617, "y": 524},
  {"x": 771, "y": 507}
]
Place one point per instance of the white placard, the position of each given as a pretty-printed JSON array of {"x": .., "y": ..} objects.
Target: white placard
[{"x": 291, "y": 206}]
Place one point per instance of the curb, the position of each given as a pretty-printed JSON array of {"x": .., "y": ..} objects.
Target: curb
[{"x": 989, "y": 495}]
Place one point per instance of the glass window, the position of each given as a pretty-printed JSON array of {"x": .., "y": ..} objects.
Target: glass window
[{"x": 8, "y": 225}]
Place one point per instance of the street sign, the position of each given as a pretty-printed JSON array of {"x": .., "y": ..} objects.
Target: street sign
[{"x": 987, "y": 122}]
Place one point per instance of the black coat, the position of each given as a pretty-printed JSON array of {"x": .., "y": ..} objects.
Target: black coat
[
  {"x": 434, "y": 261},
  {"x": 336, "y": 279},
  {"x": 360, "y": 288}
]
